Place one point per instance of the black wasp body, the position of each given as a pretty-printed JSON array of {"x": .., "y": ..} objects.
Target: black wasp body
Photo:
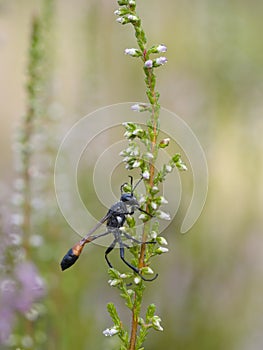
[
  {"x": 115, "y": 219},
  {"x": 118, "y": 211}
]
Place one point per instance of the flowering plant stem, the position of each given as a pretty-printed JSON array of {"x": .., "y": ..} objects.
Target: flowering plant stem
[
  {"x": 153, "y": 97},
  {"x": 142, "y": 153}
]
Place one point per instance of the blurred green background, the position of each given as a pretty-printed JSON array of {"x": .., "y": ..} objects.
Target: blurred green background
[{"x": 209, "y": 290}]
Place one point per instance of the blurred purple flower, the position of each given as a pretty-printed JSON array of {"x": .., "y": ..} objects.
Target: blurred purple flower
[
  {"x": 18, "y": 294},
  {"x": 31, "y": 286},
  {"x": 7, "y": 318}
]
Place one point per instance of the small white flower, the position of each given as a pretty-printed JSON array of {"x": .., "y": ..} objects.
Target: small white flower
[
  {"x": 137, "y": 131},
  {"x": 162, "y": 250},
  {"x": 32, "y": 314},
  {"x": 168, "y": 168},
  {"x": 127, "y": 134},
  {"x": 163, "y": 200},
  {"x": 133, "y": 18},
  {"x": 164, "y": 143},
  {"x": 155, "y": 189},
  {"x": 161, "y": 60},
  {"x": 114, "y": 282},
  {"x": 142, "y": 200},
  {"x": 123, "y": 153},
  {"x": 117, "y": 12},
  {"x": 162, "y": 215},
  {"x": 136, "y": 164},
  {"x": 137, "y": 280},
  {"x": 153, "y": 234},
  {"x": 136, "y": 107},
  {"x": 156, "y": 323},
  {"x": 183, "y": 166},
  {"x": 135, "y": 152},
  {"x": 120, "y": 20},
  {"x": 123, "y": 275},
  {"x": 146, "y": 175},
  {"x": 148, "y": 64},
  {"x": 149, "y": 155},
  {"x": 161, "y": 48},
  {"x": 147, "y": 270},
  {"x": 109, "y": 332},
  {"x": 140, "y": 107},
  {"x": 162, "y": 240},
  {"x": 130, "y": 52},
  {"x": 131, "y": 2},
  {"x": 142, "y": 216},
  {"x": 154, "y": 205}
]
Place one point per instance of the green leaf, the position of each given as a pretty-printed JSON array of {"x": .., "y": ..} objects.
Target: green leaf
[
  {"x": 150, "y": 312},
  {"x": 114, "y": 314}
]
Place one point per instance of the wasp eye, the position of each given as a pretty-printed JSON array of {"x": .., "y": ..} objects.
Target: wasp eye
[{"x": 126, "y": 197}]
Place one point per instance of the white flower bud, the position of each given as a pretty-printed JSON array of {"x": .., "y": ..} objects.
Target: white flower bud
[
  {"x": 148, "y": 64},
  {"x": 183, "y": 167},
  {"x": 146, "y": 175},
  {"x": 109, "y": 332},
  {"x": 149, "y": 155},
  {"x": 161, "y": 48},
  {"x": 137, "y": 280},
  {"x": 156, "y": 323},
  {"x": 143, "y": 216},
  {"x": 162, "y": 240},
  {"x": 136, "y": 107},
  {"x": 136, "y": 164},
  {"x": 161, "y": 60},
  {"x": 154, "y": 205},
  {"x": 114, "y": 282},
  {"x": 131, "y": 52},
  {"x": 162, "y": 250},
  {"x": 153, "y": 234},
  {"x": 147, "y": 270},
  {"x": 162, "y": 215},
  {"x": 120, "y": 20},
  {"x": 163, "y": 200},
  {"x": 133, "y": 18},
  {"x": 168, "y": 168}
]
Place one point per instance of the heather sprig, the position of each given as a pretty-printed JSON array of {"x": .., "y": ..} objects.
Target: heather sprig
[
  {"x": 142, "y": 153},
  {"x": 21, "y": 286}
]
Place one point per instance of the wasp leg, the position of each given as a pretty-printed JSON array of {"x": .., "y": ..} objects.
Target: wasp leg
[
  {"x": 109, "y": 249},
  {"x": 135, "y": 269},
  {"x": 145, "y": 212},
  {"x": 136, "y": 240}
]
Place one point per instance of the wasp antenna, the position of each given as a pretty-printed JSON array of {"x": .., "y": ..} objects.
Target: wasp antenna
[
  {"x": 139, "y": 181},
  {"x": 132, "y": 189},
  {"x": 121, "y": 188}
]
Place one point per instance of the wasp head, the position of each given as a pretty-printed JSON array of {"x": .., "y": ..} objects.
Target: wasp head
[{"x": 129, "y": 199}]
